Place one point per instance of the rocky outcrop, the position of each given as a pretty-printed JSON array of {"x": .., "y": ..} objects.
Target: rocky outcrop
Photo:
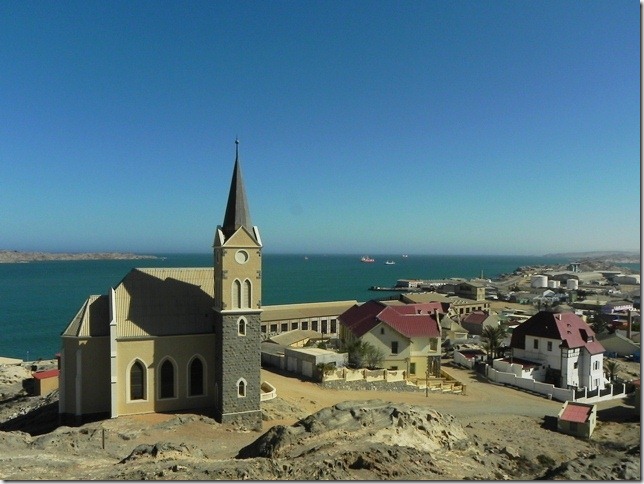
[{"x": 371, "y": 422}]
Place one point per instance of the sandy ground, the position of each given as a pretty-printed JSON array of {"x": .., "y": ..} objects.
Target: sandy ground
[{"x": 497, "y": 417}]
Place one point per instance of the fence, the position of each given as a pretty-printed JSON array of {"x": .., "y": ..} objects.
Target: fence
[
  {"x": 610, "y": 392},
  {"x": 560, "y": 394},
  {"x": 350, "y": 374}
]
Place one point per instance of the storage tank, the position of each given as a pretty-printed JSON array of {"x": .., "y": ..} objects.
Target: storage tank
[
  {"x": 553, "y": 284},
  {"x": 539, "y": 281},
  {"x": 572, "y": 284}
]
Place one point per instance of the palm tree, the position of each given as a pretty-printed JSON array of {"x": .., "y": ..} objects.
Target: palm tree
[
  {"x": 611, "y": 367},
  {"x": 493, "y": 338}
]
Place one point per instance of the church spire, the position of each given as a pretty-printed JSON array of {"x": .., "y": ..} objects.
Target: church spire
[{"x": 237, "y": 214}]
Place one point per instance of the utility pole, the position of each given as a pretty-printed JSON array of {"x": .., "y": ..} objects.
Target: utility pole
[{"x": 427, "y": 378}]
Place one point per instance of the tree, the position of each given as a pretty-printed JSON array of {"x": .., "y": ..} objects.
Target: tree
[
  {"x": 492, "y": 340},
  {"x": 325, "y": 368},
  {"x": 363, "y": 354},
  {"x": 373, "y": 357},
  {"x": 611, "y": 367},
  {"x": 597, "y": 323},
  {"x": 355, "y": 349}
]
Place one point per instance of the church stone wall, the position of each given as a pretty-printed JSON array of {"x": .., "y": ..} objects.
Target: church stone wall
[{"x": 241, "y": 359}]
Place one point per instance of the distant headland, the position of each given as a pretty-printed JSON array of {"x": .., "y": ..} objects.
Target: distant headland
[
  {"x": 15, "y": 256},
  {"x": 607, "y": 256}
]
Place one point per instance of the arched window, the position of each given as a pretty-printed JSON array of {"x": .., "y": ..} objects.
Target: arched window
[
  {"x": 241, "y": 388},
  {"x": 241, "y": 327},
  {"x": 237, "y": 294},
  {"x": 137, "y": 381},
  {"x": 247, "y": 294},
  {"x": 196, "y": 377},
  {"x": 167, "y": 380}
]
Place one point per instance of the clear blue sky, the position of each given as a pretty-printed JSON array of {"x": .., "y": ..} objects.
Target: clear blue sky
[{"x": 431, "y": 127}]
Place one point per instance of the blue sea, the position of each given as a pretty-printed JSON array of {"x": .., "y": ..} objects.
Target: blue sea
[{"x": 39, "y": 299}]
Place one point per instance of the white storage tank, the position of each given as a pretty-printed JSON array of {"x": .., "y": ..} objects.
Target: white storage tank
[
  {"x": 572, "y": 284},
  {"x": 539, "y": 281},
  {"x": 552, "y": 284}
]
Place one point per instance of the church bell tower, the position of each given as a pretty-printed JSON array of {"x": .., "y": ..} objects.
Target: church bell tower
[{"x": 238, "y": 302}]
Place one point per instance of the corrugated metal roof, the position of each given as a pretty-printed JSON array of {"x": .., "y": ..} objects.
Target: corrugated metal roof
[
  {"x": 410, "y": 320},
  {"x": 284, "y": 312},
  {"x": 165, "y": 301},
  {"x": 295, "y": 336},
  {"x": 92, "y": 319}
]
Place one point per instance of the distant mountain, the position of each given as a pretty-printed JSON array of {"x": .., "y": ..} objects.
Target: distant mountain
[{"x": 615, "y": 255}]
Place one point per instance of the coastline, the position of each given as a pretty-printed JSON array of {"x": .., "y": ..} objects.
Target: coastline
[{"x": 14, "y": 256}]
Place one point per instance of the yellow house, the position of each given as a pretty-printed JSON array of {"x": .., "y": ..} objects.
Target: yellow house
[{"x": 409, "y": 336}]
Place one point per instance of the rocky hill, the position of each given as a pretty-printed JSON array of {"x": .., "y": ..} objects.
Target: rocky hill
[{"x": 360, "y": 440}]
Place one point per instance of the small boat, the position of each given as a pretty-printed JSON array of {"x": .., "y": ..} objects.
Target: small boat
[
  {"x": 405, "y": 255},
  {"x": 366, "y": 258},
  {"x": 390, "y": 262}
]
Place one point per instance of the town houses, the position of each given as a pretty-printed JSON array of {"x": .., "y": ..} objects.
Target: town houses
[{"x": 177, "y": 339}]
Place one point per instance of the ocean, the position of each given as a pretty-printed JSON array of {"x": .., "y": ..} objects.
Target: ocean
[{"x": 39, "y": 299}]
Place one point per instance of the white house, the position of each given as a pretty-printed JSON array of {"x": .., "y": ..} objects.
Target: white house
[{"x": 565, "y": 345}]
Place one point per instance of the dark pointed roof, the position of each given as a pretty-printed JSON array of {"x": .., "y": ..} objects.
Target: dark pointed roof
[
  {"x": 237, "y": 214},
  {"x": 570, "y": 329}
]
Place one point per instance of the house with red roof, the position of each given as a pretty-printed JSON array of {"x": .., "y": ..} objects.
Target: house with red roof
[
  {"x": 475, "y": 321},
  {"x": 578, "y": 419},
  {"x": 45, "y": 381},
  {"x": 408, "y": 335},
  {"x": 565, "y": 347}
]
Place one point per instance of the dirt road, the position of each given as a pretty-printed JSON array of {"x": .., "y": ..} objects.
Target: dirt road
[{"x": 480, "y": 398}]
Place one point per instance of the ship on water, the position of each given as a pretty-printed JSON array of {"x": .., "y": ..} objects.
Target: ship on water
[{"x": 366, "y": 258}]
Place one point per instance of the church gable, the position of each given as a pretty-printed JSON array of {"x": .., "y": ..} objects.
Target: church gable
[
  {"x": 92, "y": 319},
  {"x": 242, "y": 238}
]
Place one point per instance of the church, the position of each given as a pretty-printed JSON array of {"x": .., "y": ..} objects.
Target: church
[{"x": 173, "y": 339}]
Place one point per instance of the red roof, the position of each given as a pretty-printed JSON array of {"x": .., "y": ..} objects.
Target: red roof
[
  {"x": 574, "y": 412},
  {"x": 570, "y": 329},
  {"x": 475, "y": 317},
  {"x": 41, "y": 375},
  {"x": 410, "y": 320}
]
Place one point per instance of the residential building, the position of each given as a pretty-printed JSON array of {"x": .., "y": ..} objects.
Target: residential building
[
  {"x": 565, "y": 347},
  {"x": 451, "y": 330},
  {"x": 476, "y": 321},
  {"x": 409, "y": 336},
  {"x": 454, "y": 306},
  {"x": 471, "y": 290}
]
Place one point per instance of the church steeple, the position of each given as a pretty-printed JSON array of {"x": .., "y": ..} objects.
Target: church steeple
[
  {"x": 238, "y": 307},
  {"x": 237, "y": 213}
]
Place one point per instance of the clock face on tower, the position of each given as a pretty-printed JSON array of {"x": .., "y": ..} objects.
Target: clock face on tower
[{"x": 241, "y": 256}]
